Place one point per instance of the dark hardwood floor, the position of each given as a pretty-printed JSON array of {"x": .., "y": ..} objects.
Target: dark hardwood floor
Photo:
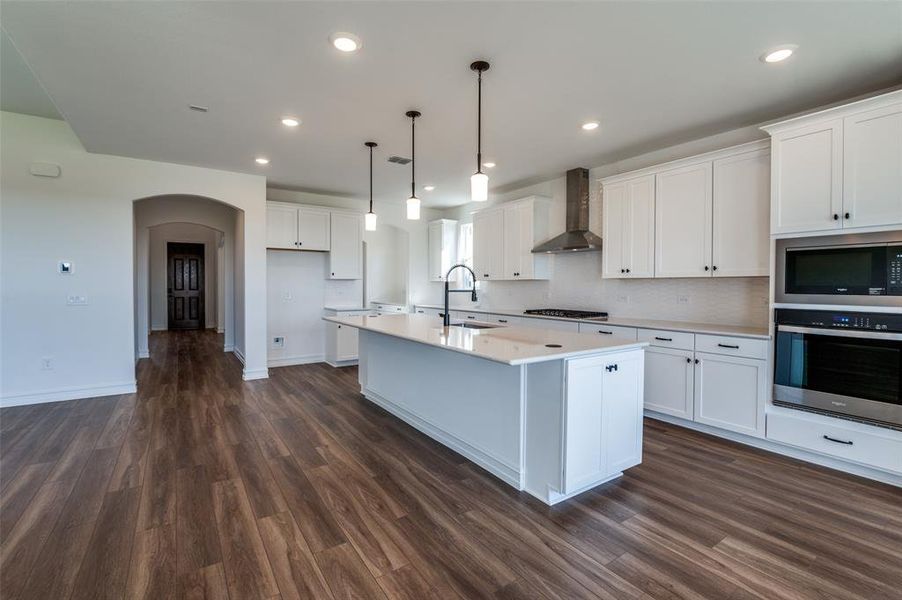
[{"x": 203, "y": 486}]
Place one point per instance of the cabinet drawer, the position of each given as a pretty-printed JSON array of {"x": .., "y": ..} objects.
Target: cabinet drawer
[
  {"x": 732, "y": 346},
  {"x": 625, "y": 333},
  {"x": 837, "y": 440},
  {"x": 667, "y": 339},
  {"x": 506, "y": 320}
]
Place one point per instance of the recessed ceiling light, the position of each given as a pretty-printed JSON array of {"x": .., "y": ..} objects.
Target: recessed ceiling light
[
  {"x": 779, "y": 53},
  {"x": 198, "y": 108},
  {"x": 488, "y": 165},
  {"x": 261, "y": 160},
  {"x": 346, "y": 42},
  {"x": 428, "y": 188},
  {"x": 290, "y": 121},
  {"x": 590, "y": 125}
]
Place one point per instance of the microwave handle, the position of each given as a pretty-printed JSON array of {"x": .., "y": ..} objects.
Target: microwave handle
[{"x": 850, "y": 333}]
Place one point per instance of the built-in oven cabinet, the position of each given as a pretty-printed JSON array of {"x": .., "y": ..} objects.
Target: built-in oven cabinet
[
  {"x": 870, "y": 446},
  {"x": 838, "y": 169}
]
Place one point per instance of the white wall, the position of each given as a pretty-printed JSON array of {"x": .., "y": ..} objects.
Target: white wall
[
  {"x": 387, "y": 255},
  {"x": 576, "y": 278},
  {"x": 86, "y": 216},
  {"x": 160, "y": 238},
  {"x": 296, "y": 292}
]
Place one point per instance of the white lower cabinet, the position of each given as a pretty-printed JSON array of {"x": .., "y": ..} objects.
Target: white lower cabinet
[
  {"x": 730, "y": 392},
  {"x": 669, "y": 376},
  {"x": 615, "y": 331},
  {"x": 603, "y": 418},
  {"x": 341, "y": 340}
]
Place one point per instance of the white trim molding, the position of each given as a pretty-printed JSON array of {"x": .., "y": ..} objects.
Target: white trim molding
[
  {"x": 251, "y": 374},
  {"x": 287, "y": 361},
  {"x": 238, "y": 354},
  {"x": 73, "y": 393}
]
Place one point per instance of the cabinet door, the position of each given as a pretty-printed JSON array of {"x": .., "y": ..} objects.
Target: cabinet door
[
  {"x": 583, "y": 449},
  {"x": 806, "y": 179},
  {"x": 614, "y": 230},
  {"x": 525, "y": 240},
  {"x": 729, "y": 393},
  {"x": 512, "y": 252},
  {"x": 313, "y": 229},
  {"x": 668, "y": 381},
  {"x": 346, "y": 255},
  {"x": 741, "y": 238},
  {"x": 488, "y": 243},
  {"x": 346, "y": 343},
  {"x": 621, "y": 412},
  {"x": 683, "y": 222},
  {"x": 281, "y": 227},
  {"x": 872, "y": 168},
  {"x": 639, "y": 251},
  {"x": 435, "y": 252}
]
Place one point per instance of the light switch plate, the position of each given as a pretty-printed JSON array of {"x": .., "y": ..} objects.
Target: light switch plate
[
  {"x": 65, "y": 267},
  {"x": 72, "y": 300}
]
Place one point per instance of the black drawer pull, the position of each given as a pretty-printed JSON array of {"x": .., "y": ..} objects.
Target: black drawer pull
[
  {"x": 731, "y": 346},
  {"x": 846, "y": 442},
  {"x": 502, "y": 320},
  {"x": 442, "y": 315},
  {"x": 470, "y": 317},
  {"x": 663, "y": 339},
  {"x": 605, "y": 332},
  {"x": 610, "y": 368},
  {"x": 688, "y": 360}
]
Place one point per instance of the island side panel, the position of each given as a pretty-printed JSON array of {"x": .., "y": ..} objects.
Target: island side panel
[
  {"x": 470, "y": 404},
  {"x": 543, "y": 436}
]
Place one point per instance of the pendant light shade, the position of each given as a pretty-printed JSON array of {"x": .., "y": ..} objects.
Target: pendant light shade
[
  {"x": 413, "y": 203},
  {"x": 479, "y": 182},
  {"x": 369, "y": 220}
]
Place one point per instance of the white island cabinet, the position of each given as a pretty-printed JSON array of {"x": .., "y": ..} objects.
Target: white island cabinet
[{"x": 548, "y": 411}]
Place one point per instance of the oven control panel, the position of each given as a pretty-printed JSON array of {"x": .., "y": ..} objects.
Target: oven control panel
[
  {"x": 829, "y": 319},
  {"x": 894, "y": 270}
]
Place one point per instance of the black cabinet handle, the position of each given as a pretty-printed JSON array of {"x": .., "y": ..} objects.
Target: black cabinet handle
[
  {"x": 714, "y": 268},
  {"x": 627, "y": 270},
  {"x": 688, "y": 360},
  {"x": 846, "y": 442},
  {"x": 605, "y": 332},
  {"x": 623, "y": 270},
  {"x": 442, "y": 315},
  {"x": 697, "y": 361},
  {"x": 706, "y": 267},
  {"x": 835, "y": 217},
  {"x": 470, "y": 317},
  {"x": 611, "y": 368},
  {"x": 485, "y": 275},
  {"x": 502, "y": 320},
  {"x": 847, "y": 216},
  {"x": 663, "y": 339},
  {"x": 728, "y": 346}
]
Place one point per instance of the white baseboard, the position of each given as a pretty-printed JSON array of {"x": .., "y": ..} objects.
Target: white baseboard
[
  {"x": 158, "y": 328},
  {"x": 143, "y": 353},
  {"x": 341, "y": 363},
  {"x": 287, "y": 361},
  {"x": 251, "y": 374},
  {"x": 778, "y": 448},
  {"x": 73, "y": 393},
  {"x": 220, "y": 330},
  {"x": 229, "y": 348},
  {"x": 238, "y": 354},
  {"x": 503, "y": 472}
]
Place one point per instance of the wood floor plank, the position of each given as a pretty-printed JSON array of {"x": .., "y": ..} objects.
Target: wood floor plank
[
  {"x": 17, "y": 495},
  {"x": 207, "y": 583},
  {"x": 348, "y": 577},
  {"x": 293, "y": 564},
  {"x": 248, "y": 572},
  {"x": 197, "y": 531},
  {"x": 263, "y": 491},
  {"x": 58, "y": 565},
  {"x": 153, "y": 569}
]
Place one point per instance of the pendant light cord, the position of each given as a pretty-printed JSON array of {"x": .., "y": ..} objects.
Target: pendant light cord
[
  {"x": 371, "y": 179},
  {"x": 479, "y": 125},
  {"x": 413, "y": 156}
]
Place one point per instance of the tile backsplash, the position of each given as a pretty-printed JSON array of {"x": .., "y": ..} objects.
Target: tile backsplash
[{"x": 576, "y": 283}]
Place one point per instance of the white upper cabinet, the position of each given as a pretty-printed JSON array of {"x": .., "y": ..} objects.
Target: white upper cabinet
[
  {"x": 807, "y": 179},
  {"x": 740, "y": 243},
  {"x": 442, "y": 248},
  {"x": 313, "y": 229},
  {"x": 281, "y": 227},
  {"x": 628, "y": 210},
  {"x": 346, "y": 255},
  {"x": 683, "y": 221},
  {"x": 840, "y": 168},
  {"x": 872, "y": 168},
  {"x": 503, "y": 239}
]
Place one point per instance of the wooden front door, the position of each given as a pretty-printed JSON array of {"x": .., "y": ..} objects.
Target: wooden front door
[{"x": 186, "y": 285}]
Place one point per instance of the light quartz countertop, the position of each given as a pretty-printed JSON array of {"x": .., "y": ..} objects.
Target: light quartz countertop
[
  {"x": 685, "y": 326},
  {"x": 347, "y": 308},
  {"x": 508, "y": 345}
]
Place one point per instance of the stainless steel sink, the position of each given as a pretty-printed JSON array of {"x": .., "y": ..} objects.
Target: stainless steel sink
[{"x": 474, "y": 325}]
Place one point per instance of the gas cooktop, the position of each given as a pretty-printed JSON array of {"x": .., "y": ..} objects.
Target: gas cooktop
[{"x": 567, "y": 314}]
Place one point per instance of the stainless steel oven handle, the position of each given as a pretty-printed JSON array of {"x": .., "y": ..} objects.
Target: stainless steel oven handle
[{"x": 850, "y": 333}]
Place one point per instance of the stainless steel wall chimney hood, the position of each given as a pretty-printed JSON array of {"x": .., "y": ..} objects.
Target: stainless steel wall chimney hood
[{"x": 577, "y": 238}]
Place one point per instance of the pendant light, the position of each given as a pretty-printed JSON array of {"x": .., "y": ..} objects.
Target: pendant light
[
  {"x": 370, "y": 218},
  {"x": 413, "y": 203},
  {"x": 479, "y": 182}
]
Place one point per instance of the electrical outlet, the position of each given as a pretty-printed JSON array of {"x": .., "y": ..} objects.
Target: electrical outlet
[
  {"x": 623, "y": 298},
  {"x": 46, "y": 363},
  {"x": 76, "y": 300},
  {"x": 286, "y": 297},
  {"x": 682, "y": 299},
  {"x": 278, "y": 342}
]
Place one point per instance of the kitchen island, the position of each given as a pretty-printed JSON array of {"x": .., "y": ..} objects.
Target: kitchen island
[{"x": 550, "y": 412}]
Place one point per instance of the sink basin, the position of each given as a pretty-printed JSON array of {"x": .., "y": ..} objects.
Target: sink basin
[{"x": 474, "y": 325}]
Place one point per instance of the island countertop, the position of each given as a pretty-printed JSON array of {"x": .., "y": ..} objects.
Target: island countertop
[{"x": 508, "y": 345}]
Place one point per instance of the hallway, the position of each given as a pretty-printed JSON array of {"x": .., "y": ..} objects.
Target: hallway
[{"x": 204, "y": 486}]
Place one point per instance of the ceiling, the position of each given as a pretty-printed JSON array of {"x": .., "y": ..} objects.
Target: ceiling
[
  {"x": 19, "y": 89},
  {"x": 653, "y": 73}
]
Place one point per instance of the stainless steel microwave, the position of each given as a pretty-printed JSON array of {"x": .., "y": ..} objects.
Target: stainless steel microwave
[{"x": 864, "y": 269}]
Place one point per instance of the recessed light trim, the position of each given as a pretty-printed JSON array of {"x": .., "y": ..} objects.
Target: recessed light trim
[
  {"x": 261, "y": 160},
  {"x": 590, "y": 125},
  {"x": 345, "y": 42},
  {"x": 778, "y": 54},
  {"x": 488, "y": 165},
  {"x": 428, "y": 188},
  {"x": 290, "y": 121},
  {"x": 198, "y": 108}
]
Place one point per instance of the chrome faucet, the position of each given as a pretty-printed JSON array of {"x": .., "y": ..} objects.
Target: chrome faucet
[{"x": 446, "y": 318}]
